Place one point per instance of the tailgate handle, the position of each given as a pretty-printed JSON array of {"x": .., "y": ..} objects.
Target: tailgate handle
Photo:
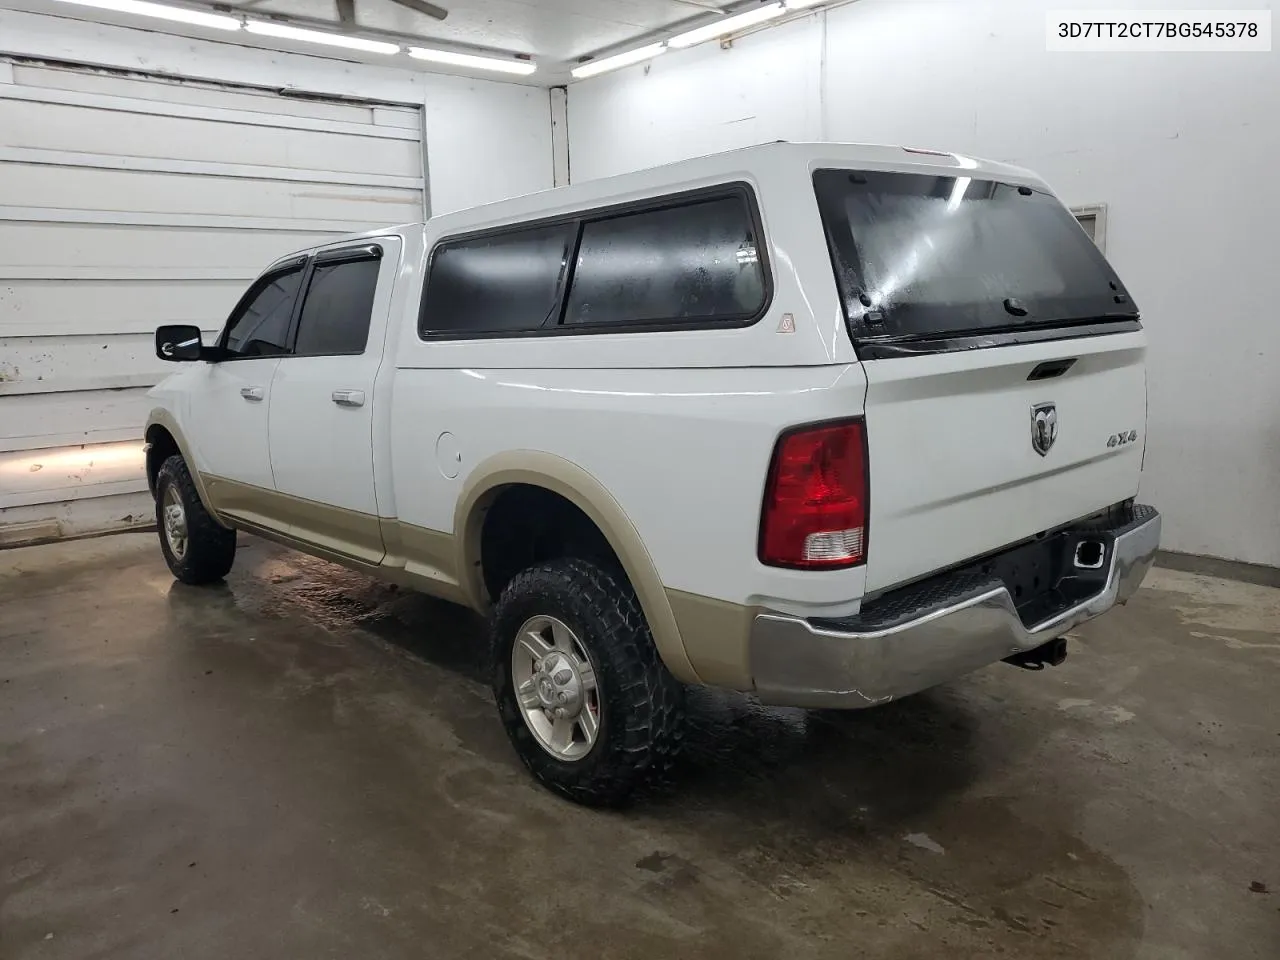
[{"x": 1050, "y": 369}]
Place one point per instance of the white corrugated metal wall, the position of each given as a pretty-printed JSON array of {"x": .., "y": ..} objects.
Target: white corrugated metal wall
[{"x": 127, "y": 201}]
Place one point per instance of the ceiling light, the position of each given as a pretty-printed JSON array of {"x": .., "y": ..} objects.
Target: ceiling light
[
  {"x": 618, "y": 60},
  {"x": 522, "y": 67},
  {"x": 269, "y": 29},
  {"x": 728, "y": 25},
  {"x": 181, "y": 14}
]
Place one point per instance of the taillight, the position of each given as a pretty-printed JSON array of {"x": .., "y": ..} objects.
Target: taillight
[{"x": 815, "y": 500}]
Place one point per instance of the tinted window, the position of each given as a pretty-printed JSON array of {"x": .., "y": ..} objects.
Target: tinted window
[
  {"x": 918, "y": 255},
  {"x": 260, "y": 325},
  {"x": 337, "y": 308},
  {"x": 504, "y": 282},
  {"x": 695, "y": 262}
]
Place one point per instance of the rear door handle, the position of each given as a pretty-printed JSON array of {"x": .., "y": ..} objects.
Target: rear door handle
[
  {"x": 348, "y": 398},
  {"x": 252, "y": 393}
]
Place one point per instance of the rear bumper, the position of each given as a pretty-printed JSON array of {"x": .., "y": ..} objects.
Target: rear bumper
[{"x": 953, "y": 630}]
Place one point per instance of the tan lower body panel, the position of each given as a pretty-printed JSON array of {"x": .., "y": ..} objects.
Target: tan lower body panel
[
  {"x": 715, "y": 635},
  {"x": 333, "y": 529},
  {"x": 388, "y": 549},
  {"x": 426, "y": 559}
]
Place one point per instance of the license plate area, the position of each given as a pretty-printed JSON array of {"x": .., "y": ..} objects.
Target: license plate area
[{"x": 1052, "y": 573}]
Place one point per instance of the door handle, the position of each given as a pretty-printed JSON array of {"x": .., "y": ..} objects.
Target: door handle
[
  {"x": 254, "y": 394},
  {"x": 348, "y": 398}
]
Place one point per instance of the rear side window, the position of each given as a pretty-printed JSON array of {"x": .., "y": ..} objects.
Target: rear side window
[
  {"x": 507, "y": 282},
  {"x": 923, "y": 256},
  {"x": 688, "y": 263},
  {"x": 691, "y": 259},
  {"x": 259, "y": 326},
  {"x": 337, "y": 308}
]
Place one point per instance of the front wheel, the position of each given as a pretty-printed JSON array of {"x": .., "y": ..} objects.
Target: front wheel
[
  {"x": 195, "y": 546},
  {"x": 587, "y": 702}
]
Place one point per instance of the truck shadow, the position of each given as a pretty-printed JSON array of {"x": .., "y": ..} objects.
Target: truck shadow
[
  {"x": 741, "y": 755},
  {"x": 737, "y": 753}
]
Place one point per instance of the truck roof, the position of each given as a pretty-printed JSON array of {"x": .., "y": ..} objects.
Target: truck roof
[{"x": 739, "y": 163}]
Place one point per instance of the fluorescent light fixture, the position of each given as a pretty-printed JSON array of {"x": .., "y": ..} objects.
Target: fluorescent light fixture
[
  {"x": 605, "y": 64},
  {"x": 522, "y": 67},
  {"x": 690, "y": 38},
  {"x": 284, "y": 31},
  {"x": 162, "y": 12},
  {"x": 728, "y": 25}
]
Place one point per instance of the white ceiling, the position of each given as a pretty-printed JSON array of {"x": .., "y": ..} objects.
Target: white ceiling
[
  {"x": 550, "y": 30},
  {"x": 556, "y": 33}
]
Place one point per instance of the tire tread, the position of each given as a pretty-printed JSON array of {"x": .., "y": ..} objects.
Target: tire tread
[
  {"x": 641, "y": 691},
  {"x": 211, "y": 547}
]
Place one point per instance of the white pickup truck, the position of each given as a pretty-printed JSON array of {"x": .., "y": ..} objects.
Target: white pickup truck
[{"x": 830, "y": 424}]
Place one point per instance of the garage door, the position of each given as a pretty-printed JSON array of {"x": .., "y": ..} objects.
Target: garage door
[{"x": 127, "y": 201}]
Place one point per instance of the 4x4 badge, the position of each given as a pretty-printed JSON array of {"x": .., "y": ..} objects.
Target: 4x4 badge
[{"x": 1044, "y": 427}]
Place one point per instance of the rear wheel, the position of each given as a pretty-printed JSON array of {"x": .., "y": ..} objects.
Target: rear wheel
[
  {"x": 195, "y": 546},
  {"x": 584, "y": 697}
]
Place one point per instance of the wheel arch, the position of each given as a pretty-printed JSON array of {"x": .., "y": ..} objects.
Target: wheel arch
[
  {"x": 162, "y": 427},
  {"x": 573, "y": 483}
]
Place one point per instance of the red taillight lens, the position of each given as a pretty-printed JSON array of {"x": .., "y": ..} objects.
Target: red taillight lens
[{"x": 815, "y": 501}]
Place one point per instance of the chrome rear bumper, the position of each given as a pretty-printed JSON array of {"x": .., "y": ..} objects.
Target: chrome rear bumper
[{"x": 798, "y": 663}]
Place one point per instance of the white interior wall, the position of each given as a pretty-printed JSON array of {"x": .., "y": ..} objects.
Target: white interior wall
[{"x": 1180, "y": 147}]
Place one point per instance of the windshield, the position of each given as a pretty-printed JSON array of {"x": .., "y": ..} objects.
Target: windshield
[{"x": 923, "y": 256}]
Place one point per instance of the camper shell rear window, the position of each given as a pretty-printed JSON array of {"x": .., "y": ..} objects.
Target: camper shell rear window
[{"x": 922, "y": 257}]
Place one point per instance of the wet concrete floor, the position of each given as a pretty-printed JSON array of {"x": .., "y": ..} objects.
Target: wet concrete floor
[{"x": 304, "y": 764}]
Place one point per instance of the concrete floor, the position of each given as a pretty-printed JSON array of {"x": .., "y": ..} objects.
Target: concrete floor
[{"x": 307, "y": 764}]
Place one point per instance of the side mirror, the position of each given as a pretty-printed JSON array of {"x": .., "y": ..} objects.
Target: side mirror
[{"x": 179, "y": 341}]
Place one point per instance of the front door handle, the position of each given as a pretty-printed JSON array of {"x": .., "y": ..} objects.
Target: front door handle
[
  {"x": 254, "y": 394},
  {"x": 348, "y": 398}
]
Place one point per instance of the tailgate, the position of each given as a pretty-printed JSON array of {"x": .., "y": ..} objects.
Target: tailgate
[
  {"x": 1006, "y": 387},
  {"x": 967, "y": 454}
]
